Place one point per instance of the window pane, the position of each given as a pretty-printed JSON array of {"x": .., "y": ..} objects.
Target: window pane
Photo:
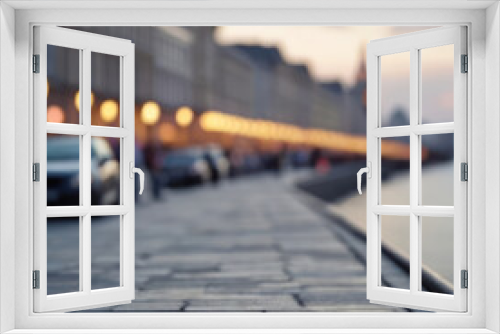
[
  {"x": 395, "y": 245},
  {"x": 63, "y": 170},
  {"x": 63, "y": 81},
  {"x": 437, "y": 169},
  {"x": 437, "y": 84},
  {"x": 63, "y": 255},
  {"x": 106, "y": 87},
  {"x": 395, "y": 174},
  {"x": 105, "y": 171},
  {"x": 105, "y": 252},
  {"x": 437, "y": 250},
  {"x": 395, "y": 89}
]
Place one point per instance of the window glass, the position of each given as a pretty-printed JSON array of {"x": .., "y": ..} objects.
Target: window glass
[
  {"x": 395, "y": 243},
  {"x": 63, "y": 80},
  {"x": 105, "y": 171},
  {"x": 105, "y": 252},
  {"x": 63, "y": 170},
  {"x": 106, "y": 84},
  {"x": 436, "y": 66},
  {"x": 395, "y": 89},
  {"x": 437, "y": 169},
  {"x": 63, "y": 255},
  {"x": 395, "y": 174},
  {"x": 437, "y": 251}
]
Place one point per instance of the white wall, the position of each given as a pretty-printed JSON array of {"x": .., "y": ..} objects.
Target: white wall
[{"x": 7, "y": 18}]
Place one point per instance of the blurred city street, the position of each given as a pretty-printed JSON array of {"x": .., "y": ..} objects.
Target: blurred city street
[
  {"x": 251, "y": 160},
  {"x": 247, "y": 244}
]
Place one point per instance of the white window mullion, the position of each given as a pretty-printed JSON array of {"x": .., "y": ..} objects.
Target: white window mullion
[
  {"x": 40, "y": 156},
  {"x": 81, "y": 223},
  {"x": 414, "y": 172},
  {"x": 421, "y": 129},
  {"x": 67, "y": 129},
  {"x": 127, "y": 114},
  {"x": 85, "y": 255},
  {"x": 392, "y": 210},
  {"x": 373, "y": 188},
  {"x": 433, "y": 129},
  {"x": 86, "y": 113},
  {"x": 392, "y": 131},
  {"x": 460, "y": 155}
]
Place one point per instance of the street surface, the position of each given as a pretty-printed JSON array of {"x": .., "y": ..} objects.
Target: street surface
[{"x": 245, "y": 245}]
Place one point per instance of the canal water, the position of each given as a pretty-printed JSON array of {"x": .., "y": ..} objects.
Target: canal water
[{"x": 437, "y": 233}]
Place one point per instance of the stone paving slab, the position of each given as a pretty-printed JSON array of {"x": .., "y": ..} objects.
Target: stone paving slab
[{"x": 248, "y": 244}]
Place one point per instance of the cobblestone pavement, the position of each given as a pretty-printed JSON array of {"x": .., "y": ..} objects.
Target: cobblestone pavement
[{"x": 245, "y": 245}]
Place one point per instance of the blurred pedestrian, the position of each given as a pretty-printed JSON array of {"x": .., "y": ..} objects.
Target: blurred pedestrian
[
  {"x": 323, "y": 164},
  {"x": 153, "y": 155},
  {"x": 280, "y": 159}
]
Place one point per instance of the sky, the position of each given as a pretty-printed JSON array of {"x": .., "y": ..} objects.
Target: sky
[
  {"x": 330, "y": 52},
  {"x": 335, "y": 52}
]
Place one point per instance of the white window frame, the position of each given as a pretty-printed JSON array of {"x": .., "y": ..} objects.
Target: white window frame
[
  {"x": 85, "y": 43},
  {"x": 484, "y": 49},
  {"x": 412, "y": 44}
]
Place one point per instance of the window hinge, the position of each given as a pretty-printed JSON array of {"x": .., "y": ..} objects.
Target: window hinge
[
  {"x": 36, "y": 279},
  {"x": 465, "y": 279},
  {"x": 464, "y": 171},
  {"x": 465, "y": 64},
  {"x": 36, "y": 172},
  {"x": 36, "y": 63}
]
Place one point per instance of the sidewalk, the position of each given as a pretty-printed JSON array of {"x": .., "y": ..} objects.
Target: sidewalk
[{"x": 246, "y": 245}]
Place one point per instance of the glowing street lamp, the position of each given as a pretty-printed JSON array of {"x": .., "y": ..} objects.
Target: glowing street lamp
[
  {"x": 150, "y": 113},
  {"x": 184, "y": 116},
  {"x": 109, "y": 111}
]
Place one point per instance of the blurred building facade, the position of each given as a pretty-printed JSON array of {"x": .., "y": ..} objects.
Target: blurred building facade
[{"x": 185, "y": 66}]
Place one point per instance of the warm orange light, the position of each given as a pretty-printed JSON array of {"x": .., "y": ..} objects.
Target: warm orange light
[
  {"x": 55, "y": 114},
  {"x": 167, "y": 133},
  {"x": 150, "y": 113},
  {"x": 48, "y": 88},
  {"x": 109, "y": 111},
  {"x": 335, "y": 141},
  {"x": 77, "y": 100},
  {"x": 184, "y": 116}
]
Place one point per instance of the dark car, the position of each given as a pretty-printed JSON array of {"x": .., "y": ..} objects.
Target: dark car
[
  {"x": 217, "y": 161},
  {"x": 63, "y": 172},
  {"x": 185, "y": 167}
]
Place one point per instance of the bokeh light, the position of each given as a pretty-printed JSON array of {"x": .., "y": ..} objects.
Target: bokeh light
[
  {"x": 341, "y": 142},
  {"x": 109, "y": 111},
  {"x": 150, "y": 113},
  {"x": 184, "y": 116},
  {"x": 55, "y": 114}
]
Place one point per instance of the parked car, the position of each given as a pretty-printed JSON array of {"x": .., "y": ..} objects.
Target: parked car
[
  {"x": 217, "y": 161},
  {"x": 63, "y": 167},
  {"x": 185, "y": 167}
]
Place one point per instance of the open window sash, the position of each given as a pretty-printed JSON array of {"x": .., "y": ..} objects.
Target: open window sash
[
  {"x": 416, "y": 297},
  {"x": 85, "y": 44}
]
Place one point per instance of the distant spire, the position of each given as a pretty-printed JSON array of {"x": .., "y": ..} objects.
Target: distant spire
[{"x": 361, "y": 72}]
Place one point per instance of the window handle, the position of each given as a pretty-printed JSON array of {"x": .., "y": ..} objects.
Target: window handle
[
  {"x": 368, "y": 171},
  {"x": 141, "y": 176}
]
